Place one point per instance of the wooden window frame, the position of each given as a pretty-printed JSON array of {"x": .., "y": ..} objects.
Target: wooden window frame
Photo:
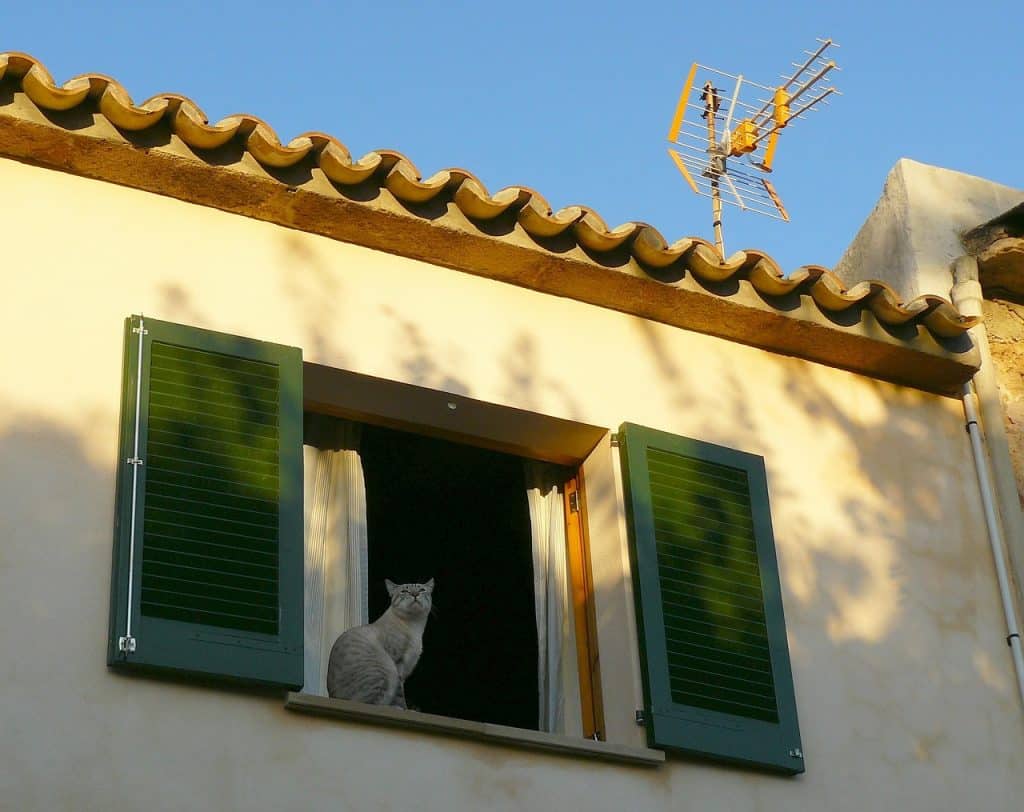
[{"x": 459, "y": 419}]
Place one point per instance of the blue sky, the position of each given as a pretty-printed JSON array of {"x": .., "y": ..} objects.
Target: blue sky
[{"x": 574, "y": 99}]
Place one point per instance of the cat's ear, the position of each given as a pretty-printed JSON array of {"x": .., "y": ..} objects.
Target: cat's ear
[
  {"x": 429, "y": 585},
  {"x": 392, "y": 587}
]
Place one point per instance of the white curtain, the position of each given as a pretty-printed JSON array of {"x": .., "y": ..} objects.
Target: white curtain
[
  {"x": 336, "y": 541},
  {"x": 558, "y": 681}
]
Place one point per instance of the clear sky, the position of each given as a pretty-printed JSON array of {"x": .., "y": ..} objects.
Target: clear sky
[{"x": 574, "y": 99}]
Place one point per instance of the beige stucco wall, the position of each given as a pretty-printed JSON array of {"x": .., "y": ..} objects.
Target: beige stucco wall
[
  {"x": 903, "y": 681},
  {"x": 912, "y": 236}
]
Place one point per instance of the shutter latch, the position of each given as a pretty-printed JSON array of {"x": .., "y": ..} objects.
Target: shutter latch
[{"x": 126, "y": 644}]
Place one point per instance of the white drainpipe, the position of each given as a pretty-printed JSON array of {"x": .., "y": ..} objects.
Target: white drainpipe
[{"x": 967, "y": 296}]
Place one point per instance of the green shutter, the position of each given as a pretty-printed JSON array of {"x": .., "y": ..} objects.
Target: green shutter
[
  {"x": 208, "y": 546},
  {"x": 715, "y": 658}
]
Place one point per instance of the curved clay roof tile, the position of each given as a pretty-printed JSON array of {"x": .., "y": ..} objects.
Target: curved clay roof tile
[{"x": 399, "y": 175}]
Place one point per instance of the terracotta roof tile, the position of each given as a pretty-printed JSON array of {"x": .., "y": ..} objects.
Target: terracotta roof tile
[
  {"x": 393, "y": 171},
  {"x": 401, "y": 177}
]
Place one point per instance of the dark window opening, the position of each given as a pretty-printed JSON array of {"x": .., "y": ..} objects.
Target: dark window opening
[{"x": 458, "y": 514}]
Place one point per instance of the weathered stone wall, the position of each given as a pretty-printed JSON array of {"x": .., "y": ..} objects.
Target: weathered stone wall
[{"x": 1004, "y": 322}]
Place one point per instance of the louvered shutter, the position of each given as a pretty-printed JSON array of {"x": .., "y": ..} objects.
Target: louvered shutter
[
  {"x": 207, "y": 573},
  {"x": 715, "y": 657}
]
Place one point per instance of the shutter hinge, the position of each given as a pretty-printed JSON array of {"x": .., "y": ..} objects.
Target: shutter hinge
[
  {"x": 639, "y": 716},
  {"x": 141, "y": 330},
  {"x": 134, "y": 461},
  {"x": 796, "y": 752},
  {"x": 574, "y": 502},
  {"x": 614, "y": 440},
  {"x": 126, "y": 644}
]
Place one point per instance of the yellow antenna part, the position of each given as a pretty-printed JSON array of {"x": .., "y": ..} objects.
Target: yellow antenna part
[
  {"x": 744, "y": 138},
  {"x": 768, "y": 187},
  {"x": 781, "y": 112},
  {"x": 677, "y": 119},
  {"x": 769, "y": 151},
  {"x": 682, "y": 168}
]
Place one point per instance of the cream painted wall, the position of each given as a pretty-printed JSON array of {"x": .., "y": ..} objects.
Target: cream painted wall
[{"x": 903, "y": 681}]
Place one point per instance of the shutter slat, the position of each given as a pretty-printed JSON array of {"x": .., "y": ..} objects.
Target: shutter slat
[
  {"x": 216, "y": 496},
  {"x": 696, "y": 637},
  {"x": 183, "y": 421},
  {"x": 203, "y": 574},
  {"x": 237, "y": 622},
  {"x": 695, "y": 594},
  {"x": 203, "y": 445},
  {"x": 192, "y": 526},
  {"x": 689, "y": 624},
  {"x": 170, "y": 546},
  {"x": 714, "y": 572},
  {"x": 717, "y": 656},
  {"x": 237, "y": 519},
  {"x": 668, "y": 544},
  {"x": 248, "y": 553},
  {"x": 176, "y": 357},
  {"x": 162, "y": 381}
]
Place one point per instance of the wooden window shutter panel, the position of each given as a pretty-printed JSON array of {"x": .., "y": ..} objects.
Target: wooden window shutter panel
[
  {"x": 208, "y": 544},
  {"x": 714, "y": 653}
]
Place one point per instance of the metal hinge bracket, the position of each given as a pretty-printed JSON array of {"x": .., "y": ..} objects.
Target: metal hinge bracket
[
  {"x": 126, "y": 644},
  {"x": 614, "y": 440},
  {"x": 134, "y": 461},
  {"x": 141, "y": 330},
  {"x": 574, "y": 502},
  {"x": 639, "y": 716},
  {"x": 796, "y": 752}
]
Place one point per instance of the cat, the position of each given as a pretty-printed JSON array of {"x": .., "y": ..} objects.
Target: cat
[{"x": 371, "y": 663}]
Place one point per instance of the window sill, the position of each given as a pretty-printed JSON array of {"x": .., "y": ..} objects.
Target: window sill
[{"x": 479, "y": 731}]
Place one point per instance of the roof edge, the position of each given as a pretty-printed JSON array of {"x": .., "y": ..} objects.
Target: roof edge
[{"x": 90, "y": 127}]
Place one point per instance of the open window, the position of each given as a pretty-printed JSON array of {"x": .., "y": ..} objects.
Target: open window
[
  {"x": 261, "y": 502},
  {"x": 509, "y": 641},
  {"x": 249, "y": 536}
]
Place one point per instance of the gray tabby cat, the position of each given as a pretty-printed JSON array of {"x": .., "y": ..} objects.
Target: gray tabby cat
[{"x": 371, "y": 663}]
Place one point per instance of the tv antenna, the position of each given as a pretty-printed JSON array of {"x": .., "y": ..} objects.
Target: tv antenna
[{"x": 726, "y": 152}]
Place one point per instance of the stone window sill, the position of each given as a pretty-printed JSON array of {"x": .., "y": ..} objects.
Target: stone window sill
[{"x": 478, "y": 731}]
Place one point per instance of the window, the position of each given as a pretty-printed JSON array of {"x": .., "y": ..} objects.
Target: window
[
  {"x": 460, "y": 515},
  {"x": 212, "y": 569},
  {"x": 210, "y": 552}
]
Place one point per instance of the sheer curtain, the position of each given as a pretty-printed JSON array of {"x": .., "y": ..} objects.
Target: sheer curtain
[
  {"x": 336, "y": 541},
  {"x": 558, "y": 681}
]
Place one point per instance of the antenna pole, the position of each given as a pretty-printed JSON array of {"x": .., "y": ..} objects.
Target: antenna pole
[{"x": 711, "y": 102}]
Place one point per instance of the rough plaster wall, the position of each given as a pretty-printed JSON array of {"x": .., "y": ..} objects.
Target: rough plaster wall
[
  {"x": 912, "y": 236},
  {"x": 1005, "y": 324}
]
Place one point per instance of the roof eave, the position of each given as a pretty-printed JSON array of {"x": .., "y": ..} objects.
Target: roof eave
[{"x": 809, "y": 315}]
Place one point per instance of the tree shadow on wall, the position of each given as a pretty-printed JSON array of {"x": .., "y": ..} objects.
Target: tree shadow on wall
[{"x": 888, "y": 584}]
